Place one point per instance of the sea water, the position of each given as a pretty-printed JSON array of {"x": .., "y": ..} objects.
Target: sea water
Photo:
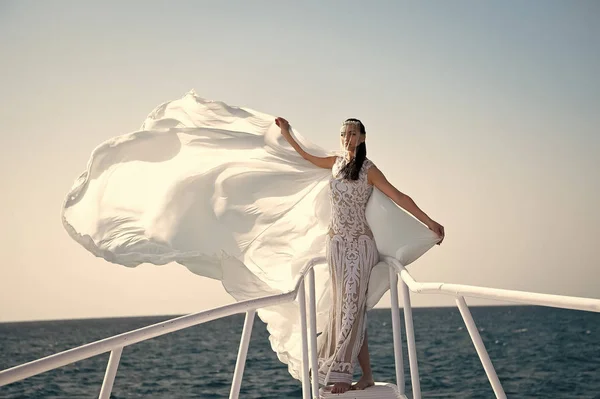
[{"x": 537, "y": 353}]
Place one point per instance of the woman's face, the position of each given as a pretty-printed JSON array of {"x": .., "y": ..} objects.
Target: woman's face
[{"x": 350, "y": 137}]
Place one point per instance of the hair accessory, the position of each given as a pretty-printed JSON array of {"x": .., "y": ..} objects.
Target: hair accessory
[{"x": 349, "y": 122}]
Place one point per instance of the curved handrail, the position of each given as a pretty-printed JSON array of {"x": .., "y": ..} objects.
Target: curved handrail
[
  {"x": 69, "y": 356},
  {"x": 523, "y": 297},
  {"x": 118, "y": 341},
  {"x": 304, "y": 271}
]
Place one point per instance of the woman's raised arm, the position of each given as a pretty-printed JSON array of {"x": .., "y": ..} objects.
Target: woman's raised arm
[{"x": 321, "y": 162}]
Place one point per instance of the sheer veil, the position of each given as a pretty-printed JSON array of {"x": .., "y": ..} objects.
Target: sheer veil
[{"x": 217, "y": 189}]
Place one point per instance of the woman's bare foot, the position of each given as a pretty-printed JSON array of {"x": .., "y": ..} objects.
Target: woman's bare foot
[
  {"x": 363, "y": 383},
  {"x": 340, "y": 387}
]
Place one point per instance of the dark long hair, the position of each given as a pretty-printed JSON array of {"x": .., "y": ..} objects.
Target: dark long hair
[{"x": 352, "y": 169}]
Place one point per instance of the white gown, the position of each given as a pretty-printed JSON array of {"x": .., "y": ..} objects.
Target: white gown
[
  {"x": 217, "y": 189},
  {"x": 351, "y": 255}
]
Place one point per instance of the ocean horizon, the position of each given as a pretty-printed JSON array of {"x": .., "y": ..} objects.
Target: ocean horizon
[{"x": 537, "y": 352}]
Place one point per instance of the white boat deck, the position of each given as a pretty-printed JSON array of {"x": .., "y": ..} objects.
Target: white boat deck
[{"x": 381, "y": 390}]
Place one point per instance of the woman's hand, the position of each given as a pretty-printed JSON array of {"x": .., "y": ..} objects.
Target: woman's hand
[
  {"x": 321, "y": 162},
  {"x": 283, "y": 124},
  {"x": 437, "y": 229}
]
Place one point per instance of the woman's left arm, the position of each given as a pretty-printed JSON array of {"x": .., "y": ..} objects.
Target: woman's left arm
[{"x": 377, "y": 179}]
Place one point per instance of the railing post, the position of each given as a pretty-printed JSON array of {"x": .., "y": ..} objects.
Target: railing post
[
  {"x": 242, "y": 353},
  {"x": 111, "y": 372},
  {"x": 305, "y": 373},
  {"x": 395, "y": 309},
  {"x": 410, "y": 342},
  {"x": 480, "y": 348},
  {"x": 312, "y": 304}
]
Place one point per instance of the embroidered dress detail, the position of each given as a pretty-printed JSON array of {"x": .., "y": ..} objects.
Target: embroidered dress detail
[{"x": 351, "y": 254}]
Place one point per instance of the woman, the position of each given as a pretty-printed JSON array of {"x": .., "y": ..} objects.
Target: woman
[
  {"x": 217, "y": 189},
  {"x": 351, "y": 253}
]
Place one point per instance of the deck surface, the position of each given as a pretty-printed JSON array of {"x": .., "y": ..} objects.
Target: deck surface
[{"x": 381, "y": 390}]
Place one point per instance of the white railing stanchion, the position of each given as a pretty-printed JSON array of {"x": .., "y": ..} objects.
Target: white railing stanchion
[
  {"x": 111, "y": 372},
  {"x": 242, "y": 353},
  {"x": 396, "y": 331},
  {"x": 304, "y": 334},
  {"x": 410, "y": 342},
  {"x": 312, "y": 311},
  {"x": 480, "y": 348}
]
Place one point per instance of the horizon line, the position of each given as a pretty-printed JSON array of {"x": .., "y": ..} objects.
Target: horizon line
[{"x": 175, "y": 315}]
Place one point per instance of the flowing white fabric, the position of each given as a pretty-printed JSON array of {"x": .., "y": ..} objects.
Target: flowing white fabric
[{"x": 217, "y": 189}]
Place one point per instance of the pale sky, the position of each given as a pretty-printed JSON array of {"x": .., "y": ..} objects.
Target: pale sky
[{"x": 486, "y": 113}]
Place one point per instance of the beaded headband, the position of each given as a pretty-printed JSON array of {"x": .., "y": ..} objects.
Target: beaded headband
[{"x": 350, "y": 122}]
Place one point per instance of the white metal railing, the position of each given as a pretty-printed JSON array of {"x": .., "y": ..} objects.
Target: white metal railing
[
  {"x": 460, "y": 292},
  {"x": 116, "y": 343}
]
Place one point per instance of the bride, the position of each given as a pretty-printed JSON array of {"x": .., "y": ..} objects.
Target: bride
[
  {"x": 219, "y": 190},
  {"x": 351, "y": 253}
]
